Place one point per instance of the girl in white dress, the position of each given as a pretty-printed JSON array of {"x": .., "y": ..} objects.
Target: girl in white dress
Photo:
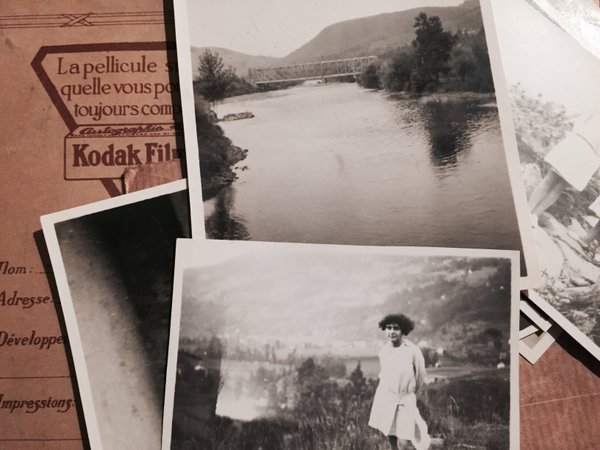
[{"x": 394, "y": 411}]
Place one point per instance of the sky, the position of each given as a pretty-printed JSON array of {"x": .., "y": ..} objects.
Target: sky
[{"x": 278, "y": 27}]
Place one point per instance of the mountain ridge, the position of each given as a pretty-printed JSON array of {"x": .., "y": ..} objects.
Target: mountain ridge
[
  {"x": 241, "y": 62},
  {"x": 365, "y": 36},
  {"x": 451, "y": 299},
  {"x": 385, "y": 32}
]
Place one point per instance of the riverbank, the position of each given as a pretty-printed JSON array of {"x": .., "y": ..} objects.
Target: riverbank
[
  {"x": 436, "y": 96},
  {"x": 444, "y": 97},
  {"x": 217, "y": 153}
]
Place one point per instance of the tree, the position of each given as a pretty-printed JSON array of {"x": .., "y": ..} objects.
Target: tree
[
  {"x": 470, "y": 61},
  {"x": 484, "y": 80},
  {"x": 314, "y": 391},
  {"x": 369, "y": 77},
  {"x": 214, "y": 79},
  {"x": 463, "y": 61},
  {"x": 215, "y": 348},
  {"x": 432, "y": 46},
  {"x": 309, "y": 370},
  {"x": 358, "y": 382},
  {"x": 396, "y": 72}
]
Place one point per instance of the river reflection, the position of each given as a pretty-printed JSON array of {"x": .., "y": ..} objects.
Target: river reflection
[
  {"x": 221, "y": 223},
  {"x": 447, "y": 125},
  {"x": 343, "y": 165}
]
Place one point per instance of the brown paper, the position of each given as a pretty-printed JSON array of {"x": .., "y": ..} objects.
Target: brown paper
[
  {"x": 87, "y": 92},
  {"x": 560, "y": 399}
]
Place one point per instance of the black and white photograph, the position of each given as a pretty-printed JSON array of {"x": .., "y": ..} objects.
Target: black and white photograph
[
  {"x": 113, "y": 264},
  {"x": 555, "y": 100},
  {"x": 303, "y": 346},
  {"x": 350, "y": 122}
]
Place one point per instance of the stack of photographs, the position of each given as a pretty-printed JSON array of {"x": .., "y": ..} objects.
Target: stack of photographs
[
  {"x": 555, "y": 101},
  {"x": 363, "y": 269},
  {"x": 536, "y": 331}
]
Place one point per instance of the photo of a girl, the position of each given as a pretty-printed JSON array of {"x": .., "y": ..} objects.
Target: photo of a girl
[
  {"x": 306, "y": 347},
  {"x": 394, "y": 411}
]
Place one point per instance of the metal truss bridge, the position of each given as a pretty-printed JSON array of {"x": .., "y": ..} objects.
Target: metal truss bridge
[{"x": 310, "y": 71}]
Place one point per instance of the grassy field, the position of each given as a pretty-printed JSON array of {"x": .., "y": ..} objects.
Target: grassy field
[{"x": 466, "y": 411}]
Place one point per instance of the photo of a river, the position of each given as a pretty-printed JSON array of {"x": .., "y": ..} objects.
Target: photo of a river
[{"x": 340, "y": 164}]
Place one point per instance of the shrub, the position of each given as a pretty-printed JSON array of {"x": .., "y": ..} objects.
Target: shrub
[{"x": 369, "y": 77}]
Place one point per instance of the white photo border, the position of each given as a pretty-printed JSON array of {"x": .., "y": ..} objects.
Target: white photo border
[
  {"x": 528, "y": 330},
  {"x": 539, "y": 321},
  {"x": 568, "y": 326},
  {"x": 543, "y": 343}
]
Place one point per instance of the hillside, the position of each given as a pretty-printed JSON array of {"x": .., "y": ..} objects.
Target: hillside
[
  {"x": 376, "y": 34},
  {"x": 239, "y": 61},
  {"x": 453, "y": 300},
  {"x": 358, "y": 37}
]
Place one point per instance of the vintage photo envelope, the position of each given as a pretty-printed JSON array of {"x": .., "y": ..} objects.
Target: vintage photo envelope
[
  {"x": 300, "y": 346},
  {"x": 555, "y": 101},
  {"x": 87, "y": 92},
  {"x": 343, "y": 128},
  {"x": 113, "y": 265}
]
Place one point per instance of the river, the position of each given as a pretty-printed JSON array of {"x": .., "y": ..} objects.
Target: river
[{"x": 339, "y": 164}]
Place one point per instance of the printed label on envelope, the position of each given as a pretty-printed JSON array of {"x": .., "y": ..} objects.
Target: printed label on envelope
[{"x": 117, "y": 102}]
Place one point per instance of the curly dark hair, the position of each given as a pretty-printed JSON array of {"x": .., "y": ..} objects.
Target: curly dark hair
[{"x": 406, "y": 325}]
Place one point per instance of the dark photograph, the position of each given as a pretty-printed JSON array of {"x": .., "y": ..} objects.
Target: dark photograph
[
  {"x": 299, "y": 347},
  {"x": 117, "y": 267}
]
